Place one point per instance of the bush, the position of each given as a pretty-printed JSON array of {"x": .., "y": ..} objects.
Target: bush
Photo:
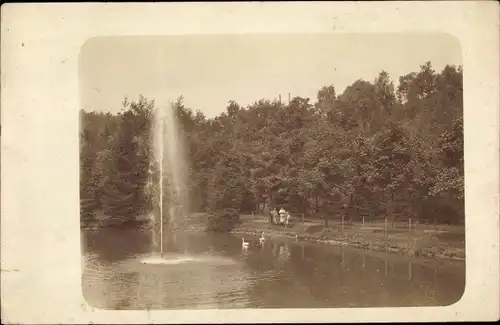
[
  {"x": 87, "y": 217},
  {"x": 223, "y": 220},
  {"x": 87, "y": 214}
]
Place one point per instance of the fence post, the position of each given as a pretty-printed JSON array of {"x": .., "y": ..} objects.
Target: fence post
[
  {"x": 302, "y": 217},
  {"x": 385, "y": 226},
  {"x": 409, "y": 224},
  {"x": 363, "y": 221},
  {"x": 342, "y": 224}
]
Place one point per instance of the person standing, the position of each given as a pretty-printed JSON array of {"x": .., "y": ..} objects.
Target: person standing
[
  {"x": 271, "y": 215},
  {"x": 288, "y": 218},
  {"x": 282, "y": 216}
]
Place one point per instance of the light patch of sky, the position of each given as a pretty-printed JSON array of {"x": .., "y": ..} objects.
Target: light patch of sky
[{"x": 211, "y": 70}]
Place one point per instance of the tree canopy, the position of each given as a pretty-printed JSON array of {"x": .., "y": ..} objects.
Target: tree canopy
[{"x": 374, "y": 150}]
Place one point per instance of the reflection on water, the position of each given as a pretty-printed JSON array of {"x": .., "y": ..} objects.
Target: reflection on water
[{"x": 216, "y": 273}]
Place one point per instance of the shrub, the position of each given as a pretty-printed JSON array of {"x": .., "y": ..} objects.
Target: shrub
[{"x": 223, "y": 220}]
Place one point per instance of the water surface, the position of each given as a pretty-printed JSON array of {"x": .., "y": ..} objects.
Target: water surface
[{"x": 211, "y": 271}]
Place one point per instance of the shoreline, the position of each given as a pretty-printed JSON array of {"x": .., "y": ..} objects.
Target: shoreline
[
  {"x": 397, "y": 246},
  {"x": 363, "y": 244},
  {"x": 376, "y": 247}
]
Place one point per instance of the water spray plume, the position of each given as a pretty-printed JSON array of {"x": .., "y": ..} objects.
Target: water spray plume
[{"x": 169, "y": 156}]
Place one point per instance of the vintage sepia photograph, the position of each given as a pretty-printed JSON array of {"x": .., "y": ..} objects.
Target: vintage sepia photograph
[
  {"x": 249, "y": 162},
  {"x": 272, "y": 171}
]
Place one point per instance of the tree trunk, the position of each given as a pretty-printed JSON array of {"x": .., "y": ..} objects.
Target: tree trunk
[
  {"x": 268, "y": 210},
  {"x": 357, "y": 213}
]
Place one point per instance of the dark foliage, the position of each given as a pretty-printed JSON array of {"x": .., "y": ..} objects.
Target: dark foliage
[{"x": 374, "y": 150}]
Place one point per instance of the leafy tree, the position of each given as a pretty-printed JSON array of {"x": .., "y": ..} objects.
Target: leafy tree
[
  {"x": 325, "y": 104},
  {"x": 375, "y": 149}
]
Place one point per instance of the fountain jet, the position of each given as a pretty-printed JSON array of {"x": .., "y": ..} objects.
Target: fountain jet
[{"x": 171, "y": 162}]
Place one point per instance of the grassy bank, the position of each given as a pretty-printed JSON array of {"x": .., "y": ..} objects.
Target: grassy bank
[{"x": 440, "y": 241}]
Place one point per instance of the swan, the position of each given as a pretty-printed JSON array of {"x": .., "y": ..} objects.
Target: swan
[
  {"x": 262, "y": 239},
  {"x": 244, "y": 244}
]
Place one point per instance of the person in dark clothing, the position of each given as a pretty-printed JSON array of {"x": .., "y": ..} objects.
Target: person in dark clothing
[{"x": 272, "y": 216}]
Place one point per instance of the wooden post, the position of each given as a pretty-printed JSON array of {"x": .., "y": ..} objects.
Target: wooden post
[
  {"x": 343, "y": 261},
  {"x": 363, "y": 221},
  {"x": 385, "y": 226},
  {"x": 302, "y": 217},
  {"x": 409, "y": 224},
  {"x": 342, "y": 224},
  {"x": 435, "y": 225}
]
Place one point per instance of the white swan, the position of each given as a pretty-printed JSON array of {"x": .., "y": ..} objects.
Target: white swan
[
  {"x": 244, "y": 244},
  {"x": 262, "y": 239}
]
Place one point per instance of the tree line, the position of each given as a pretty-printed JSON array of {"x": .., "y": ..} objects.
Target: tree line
[{"x": 375, "y": 150}]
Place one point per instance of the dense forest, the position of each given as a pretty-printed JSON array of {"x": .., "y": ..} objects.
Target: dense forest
[{"x": 375, "y": 150}]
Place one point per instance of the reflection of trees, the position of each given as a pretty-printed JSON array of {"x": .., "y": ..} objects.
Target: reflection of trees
[
  {"x": 449, "y": 285},
  {"x": 290, "y": 274},
  {"x": 314, "y": 272},
  {"x": 284, "y": 253},
  {"x": 115, "y": 245},
  {"x": 361, "y": 279},
  {"x": 344, "y": 277},
  {"x": 278, "y": 292},
  {"x": 277, "y": 288},
  {"x": 223, "y": 244},
  {"x": 434, "y": 278},
  {"x": 343, "y": 263},
  {"x": 414, "y": 283}
]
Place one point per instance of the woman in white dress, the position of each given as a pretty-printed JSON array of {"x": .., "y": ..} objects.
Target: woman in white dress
[{"x": 282, "y": 216}]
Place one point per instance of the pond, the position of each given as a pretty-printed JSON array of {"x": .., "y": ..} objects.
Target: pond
[{"x": 209, "y": 271}]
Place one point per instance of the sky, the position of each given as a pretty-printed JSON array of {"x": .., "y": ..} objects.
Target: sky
[{"x": 210, "y": 70}]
